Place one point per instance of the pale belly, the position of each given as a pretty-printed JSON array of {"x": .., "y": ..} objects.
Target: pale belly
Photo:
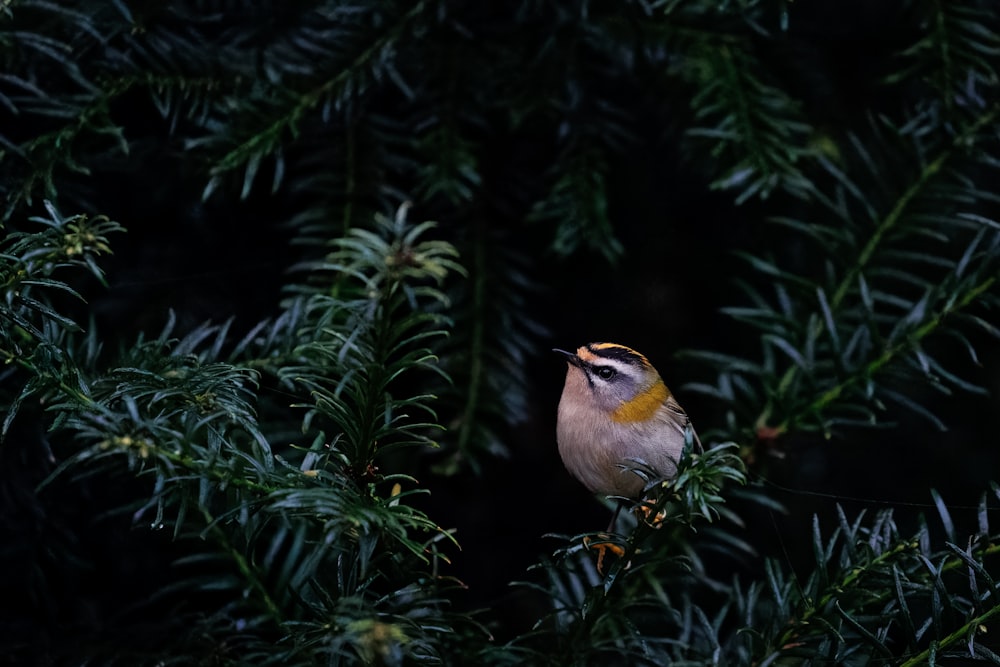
[{"x": 603, "y": 455}]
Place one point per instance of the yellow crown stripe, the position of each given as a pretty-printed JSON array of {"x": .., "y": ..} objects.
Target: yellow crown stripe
[
  {"x": 611, "y": 346},
  {"x": 643, "y": 406}
]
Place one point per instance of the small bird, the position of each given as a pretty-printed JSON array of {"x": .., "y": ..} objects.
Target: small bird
[{"x": 616, "y": 416}]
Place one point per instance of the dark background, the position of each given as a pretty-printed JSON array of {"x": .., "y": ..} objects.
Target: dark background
[{"x": 227, "y": 257}]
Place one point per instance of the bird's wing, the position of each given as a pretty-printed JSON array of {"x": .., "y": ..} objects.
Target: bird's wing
[{"x": 680, "y": 419}]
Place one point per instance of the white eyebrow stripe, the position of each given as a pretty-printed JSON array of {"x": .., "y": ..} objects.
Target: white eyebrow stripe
[{"x": 620, "y": 366}]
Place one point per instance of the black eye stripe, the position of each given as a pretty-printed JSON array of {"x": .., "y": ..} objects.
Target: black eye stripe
[{"x": 617, "y": 353}]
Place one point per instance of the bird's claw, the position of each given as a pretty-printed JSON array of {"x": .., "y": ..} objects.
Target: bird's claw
[
  {"x": 646, "y": 510},
  {"x": 602, "y": 547}
]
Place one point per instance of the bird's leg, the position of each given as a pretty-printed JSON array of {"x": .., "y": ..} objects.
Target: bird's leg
[
  {"x": 603, "y": 547},
  {"x": 614, "y": 517}
]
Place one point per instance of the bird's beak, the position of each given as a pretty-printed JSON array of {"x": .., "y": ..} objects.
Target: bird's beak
[{"x": 570, "y": 357}]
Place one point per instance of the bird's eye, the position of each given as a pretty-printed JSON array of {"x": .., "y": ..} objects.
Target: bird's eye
[{"x": 606, "y": 372}]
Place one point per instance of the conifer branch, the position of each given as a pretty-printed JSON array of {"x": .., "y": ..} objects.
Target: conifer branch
[{"x": 265, "y": 140}]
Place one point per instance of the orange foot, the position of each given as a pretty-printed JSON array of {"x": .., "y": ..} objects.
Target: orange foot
[
  {"x": 602, "y": 548},
  {"x": 646, "y": 510}
]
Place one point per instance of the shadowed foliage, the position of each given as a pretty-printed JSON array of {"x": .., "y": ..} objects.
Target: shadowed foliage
[{"x": 260, "y": 409}]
